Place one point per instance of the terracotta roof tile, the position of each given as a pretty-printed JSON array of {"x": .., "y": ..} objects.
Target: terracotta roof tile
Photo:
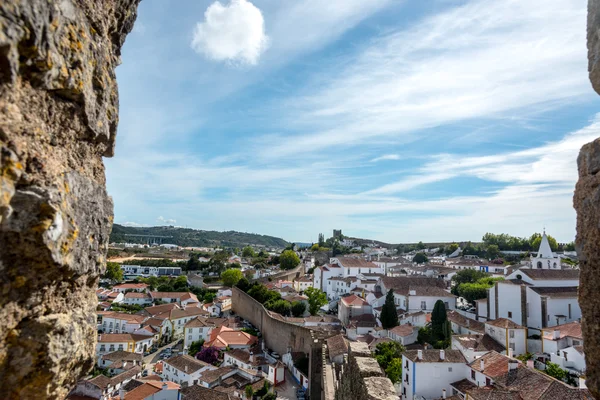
[
  {"x": 504, "y": 323},
  {"x": 434, "y": 356},
  {"x": 572, "y": 329},
  {"x": 182, "y": 361},
  {"x": 337, "y": 345}
]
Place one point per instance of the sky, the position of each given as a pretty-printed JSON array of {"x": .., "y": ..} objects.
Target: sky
[{"x": 399, "y": 121}]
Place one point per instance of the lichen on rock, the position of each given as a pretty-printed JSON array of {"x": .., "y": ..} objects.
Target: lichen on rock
[{"x": 58, "y": 118}]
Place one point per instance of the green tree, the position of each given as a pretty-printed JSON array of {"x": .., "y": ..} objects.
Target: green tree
[
  {"x": 248, "y": 252},
  {"x": 492, "y": 251},
  {"x": 473, "y": 291},
  {"x": 289, "y": 259},
  {"x": 113, "y": 273},
  {"x": 316, "y": 299},
  {"x": 321, "y": 240},
  {"x": 280, "y": 306},
  {"x": 269, "y": 396},
  {"x": 298, "y": 308},
  {"x": 231, "y": 276},
  {"x": 394, "y": 370},
  {"x": 249, "y": 392},
  {"x": 180, "y": 283},
  {"x": 386, "y": 352},
  {"x": 389, "y": 315},
  {"x": 440, "y": 332},
  {"x": 555, "y": 371},
  {"x": 243, "y": 284},
  {"x": 451, "y": 248},
  {"x": 209, "y": 297},
  {"x": 420, "y": 258},
  {"x": 424, "y": 335},
  {"x": 421, "y": 246},
  {"x": 195, "y": 347}
]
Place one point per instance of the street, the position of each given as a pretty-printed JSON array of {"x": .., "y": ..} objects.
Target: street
[{"x": 153, "y": 358}]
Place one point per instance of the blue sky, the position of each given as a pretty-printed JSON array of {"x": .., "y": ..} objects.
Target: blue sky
[{"x": 393, "y": 120}]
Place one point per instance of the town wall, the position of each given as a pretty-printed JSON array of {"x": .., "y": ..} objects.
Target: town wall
[
  {"x": 587, "y": 204},
  {"x": 362, "y": 378},
  {"x": 288, "y": 275}
]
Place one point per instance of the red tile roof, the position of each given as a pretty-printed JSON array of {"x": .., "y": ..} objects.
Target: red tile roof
[
  {"x": 572, "y": 329},
  {"x": 354, "y": 300},
  {"x": 351, "y": 262}
]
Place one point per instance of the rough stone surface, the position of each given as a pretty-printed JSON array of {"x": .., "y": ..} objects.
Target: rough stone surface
[
  {"x": 58, "y": 117},
  {"x": 587, "y": 205},
  {"x": 593, "y": 39},
  {"x": 362, "y": 378}
]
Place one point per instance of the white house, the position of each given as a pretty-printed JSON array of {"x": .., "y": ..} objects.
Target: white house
[
  {"x": 352, "y": 266},
  {"x": 125, "y": 287},
  {"x": 548, "y": 296},
  {"x": 404, "y": 334},
  {"x": 303, "y": 283},
  {"x": 276, "y": 373},
  {"x": 119, "y": 356},
  {"x": 417, "y": 293},
  {"x": 564, "y": 344},
  {"x": 509, "y": 334},
  {"x": 181, "y": 298},
  {"x": 141, "y": 299},
  {"x": 323, "y": 273},
  {"x": 475, "y": 346},
  {"x": 425, "y": 373},
  {"x": 117, "y": 322},
  {"x": 184, "y": 370},
  {"x": 463, "y": 325},
  {"x": 199, "y": 328},
  {"x": 110, "y": 342},
  {"x": 244, "y": 359},
  {"x": 352, "y": 306}
]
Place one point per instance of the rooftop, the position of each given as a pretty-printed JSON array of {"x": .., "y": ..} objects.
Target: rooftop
[
  {"x": 182, "y": 361},
  {"x": 571, "y": 329},
  {"x": 556, "y": 292},
  {"x": 337, "y": 345},
  {"x": 402, "y": 330},
  {"x": 353, "y": 300},
  {"x": 197, "y": 392},
  {"x": 352, "y": 262},
  {"x": 551, "y": 274},
  {"x": 434, "y": 356},
  {"x": 471, "y": 324},
  {"x": 479, "y": 343},
  {"x": 504, "y": 323}
]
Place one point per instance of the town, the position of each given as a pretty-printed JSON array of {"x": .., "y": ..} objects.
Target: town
[{"x": 340, "y": 319}]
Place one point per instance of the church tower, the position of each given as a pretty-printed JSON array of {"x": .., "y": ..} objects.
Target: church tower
[{"x": 545, "y": 259}]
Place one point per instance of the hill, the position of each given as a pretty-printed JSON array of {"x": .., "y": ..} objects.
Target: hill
[{"x": 192, "y": 237}]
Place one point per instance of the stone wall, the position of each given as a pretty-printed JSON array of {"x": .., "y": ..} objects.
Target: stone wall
[
  {"x": 362, "y": 378},
  {"x": 282, "y": 336},
  {"x": 58, "y": 118},
  {"x": 587, "y": 205},
  {"x": 289, "y": 275}
]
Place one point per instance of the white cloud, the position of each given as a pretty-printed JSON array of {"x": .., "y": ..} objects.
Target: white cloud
[
  {"x": 165, "y": 221},
  {"x": 233, "y": 32},
  {"x": 133, "y": 224},
  {"x": 486, "y": 59},
  {"x": 554, "y": 163},
  {"x": 386, "y": 157}
]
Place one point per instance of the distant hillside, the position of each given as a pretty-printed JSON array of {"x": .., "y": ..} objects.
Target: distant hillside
[{"x": 192, "y": 237}]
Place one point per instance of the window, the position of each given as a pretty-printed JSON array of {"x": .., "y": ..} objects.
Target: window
[
  {"x": 473, "y": 374},
  {"x": 488, "y": 382},
  {"x": 510, "y": 314},
  {"x": 103, "y": 348},
  {"x": 569, "y": 310},
  {"x": 511, "y": 346},
  {"x": 511, "y": 334},
  {"x": 423, "y": 305},
  {"x": 406, "y": 378},
  {"x": 407, "y": 362},
  {"x": 121, "y": 347},
  {"x": 111, "y": 348},
  {"x": 449, "y": 369},
  {"x": 189, "y": 337},
  {"x": 576, "y": 343}
]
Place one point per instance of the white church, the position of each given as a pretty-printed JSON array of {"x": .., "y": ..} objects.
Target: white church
[{"x": 545, "y": 258}]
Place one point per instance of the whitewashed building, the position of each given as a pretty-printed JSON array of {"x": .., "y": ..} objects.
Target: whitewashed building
[
  {"x": 564, "y": 344},
  {"x": 509, "y": 334},
  {"x": 426, "y": 373},
  {"x": 184, "y": 370},
  {"x": 417, "y": 293}
]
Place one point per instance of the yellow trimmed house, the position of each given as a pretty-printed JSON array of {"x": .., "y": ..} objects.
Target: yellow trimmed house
[{"x": 110, "y": 342}]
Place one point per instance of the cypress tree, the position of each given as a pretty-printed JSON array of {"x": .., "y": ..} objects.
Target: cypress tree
[
  {"x": 438, "y": 320},
  {"x": 389, "y": 315}
]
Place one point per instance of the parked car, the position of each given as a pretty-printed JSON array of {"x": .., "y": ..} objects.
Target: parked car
[{"x": 145, "y": 373}]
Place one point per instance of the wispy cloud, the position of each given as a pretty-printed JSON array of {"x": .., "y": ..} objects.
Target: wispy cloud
[
  {"x": 386, "y": 157},
  {"x": 165, "y": 221},
  {"x": 485, "y": 59}
]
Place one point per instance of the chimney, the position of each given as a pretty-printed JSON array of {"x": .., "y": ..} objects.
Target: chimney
[
  {"x": 442, "y": 355},
  {"x": 251, "y": 357},
  {"x": 510, "y": 353},
  {"x": 419, "y": 354},
  {"x": 443, "y": 393},
  {"x": 185, "y": 369},
  {"x": 556, "y": 334},
  {"x": 481, "y": 365},
  {"x": 412, "y": 292},
  {"x": 165, "y": 386},
  {"x": 512, "y": 365},
  {"x": 530, "y": 364},
  {"x": 121, "y": 393},
  {"x": 468, "y": 323}
]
